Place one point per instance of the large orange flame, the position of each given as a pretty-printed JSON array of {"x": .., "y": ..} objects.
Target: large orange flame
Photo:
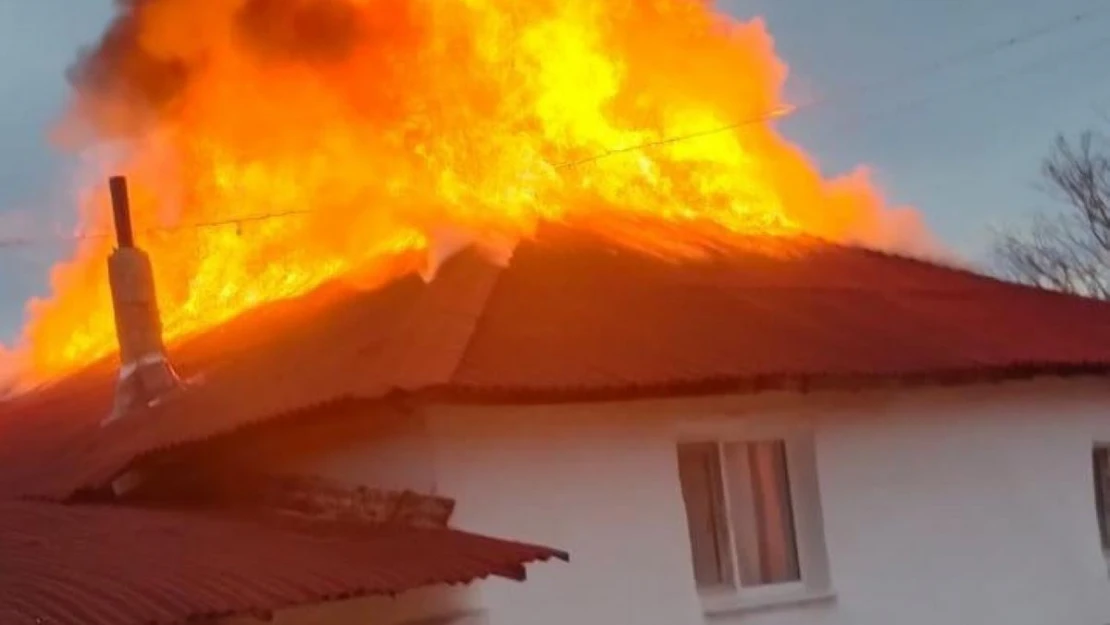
[{"x": 371, "y": 125}]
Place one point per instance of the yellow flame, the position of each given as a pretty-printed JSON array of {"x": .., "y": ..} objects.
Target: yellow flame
[{"x": 431, "y": 114}]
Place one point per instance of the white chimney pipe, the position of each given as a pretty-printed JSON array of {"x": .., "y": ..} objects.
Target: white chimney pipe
[{"x": 145, "y": 374}]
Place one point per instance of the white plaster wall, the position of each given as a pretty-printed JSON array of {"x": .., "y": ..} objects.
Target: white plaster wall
[
  {"x": 965, "y": 512},
  {"x": 962, "y": 506},
  {"x": 603, "y": 487}
]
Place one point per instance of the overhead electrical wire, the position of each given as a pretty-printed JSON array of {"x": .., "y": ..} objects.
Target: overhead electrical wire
[
  {"x": 917, "y": 73},
  {"x": 199, "y": 225},
  {"x": 1025, "y": 69},
  {"x": 912, "y": 74}
]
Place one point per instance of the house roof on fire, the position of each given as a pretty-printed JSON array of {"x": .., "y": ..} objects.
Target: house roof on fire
[{"x": 571, "y": 318}]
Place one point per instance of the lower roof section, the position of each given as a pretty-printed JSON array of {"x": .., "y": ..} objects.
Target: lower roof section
[{"x": 110, "y": 565}]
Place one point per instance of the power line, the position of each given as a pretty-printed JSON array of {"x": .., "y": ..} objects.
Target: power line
[
  {"x": 913, "y": 74},
  {"x": 1022, "y": 70},
  {"x": 779, "y": 112},
  {"x": 1026, "y": 69},
  {"x": 236, "y": 221},
  {"x": 918, "y": 73}
]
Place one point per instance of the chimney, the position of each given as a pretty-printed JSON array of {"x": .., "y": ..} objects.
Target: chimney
[{"x": 145, "y": 374}]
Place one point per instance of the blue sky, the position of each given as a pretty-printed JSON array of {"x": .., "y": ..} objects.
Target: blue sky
[{"x": 966, "y": 156}]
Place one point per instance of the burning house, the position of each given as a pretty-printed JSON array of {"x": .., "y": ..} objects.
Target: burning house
[
  {"x": 403, "y": 277},
  {"x": 793, "y": 432}
]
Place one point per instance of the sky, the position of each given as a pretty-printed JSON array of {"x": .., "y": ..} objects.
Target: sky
[{"x": 962, "y": 143}]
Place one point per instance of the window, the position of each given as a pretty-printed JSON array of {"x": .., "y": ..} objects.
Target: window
[
  {"x": 1101, "y": 461},
  {"x": 754, "y": 516}
]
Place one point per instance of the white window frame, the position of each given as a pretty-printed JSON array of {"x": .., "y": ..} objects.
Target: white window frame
[
  {"x": 801, "y": 462},
  {"x": 1097, "y": 447}
]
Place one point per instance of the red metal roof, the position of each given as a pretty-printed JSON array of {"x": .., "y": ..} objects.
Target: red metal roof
[
  {"x": 81, "y": 565},
  {"x": 571, "y": 318},
  {"x": 582, "y": 321}
]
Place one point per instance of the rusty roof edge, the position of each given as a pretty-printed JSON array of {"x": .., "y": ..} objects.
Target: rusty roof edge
[{"x": 312, "y": 498}]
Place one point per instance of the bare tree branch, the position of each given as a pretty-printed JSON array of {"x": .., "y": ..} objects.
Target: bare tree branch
[{"x": 1067, "y": 251}]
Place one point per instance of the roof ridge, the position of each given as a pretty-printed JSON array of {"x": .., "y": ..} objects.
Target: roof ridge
[
  {"x": 479, "y": 319},
  {"x": 427, "y": 351}
]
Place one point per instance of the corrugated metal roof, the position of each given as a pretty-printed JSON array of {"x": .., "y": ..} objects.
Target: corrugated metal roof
[
  {"x": 82, "y": 565},
  {"x": 332, "y": 345},
  {"x": 580, "y": 320},
  {"x": 571, "y": 318}
]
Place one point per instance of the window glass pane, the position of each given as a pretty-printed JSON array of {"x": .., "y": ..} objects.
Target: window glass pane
[
  {"x": 1101, "y": 459},
  {"x": 699, "y": 470},
  {"x": 742, "y": 511},
  {"x": 762, "y": 513}
]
